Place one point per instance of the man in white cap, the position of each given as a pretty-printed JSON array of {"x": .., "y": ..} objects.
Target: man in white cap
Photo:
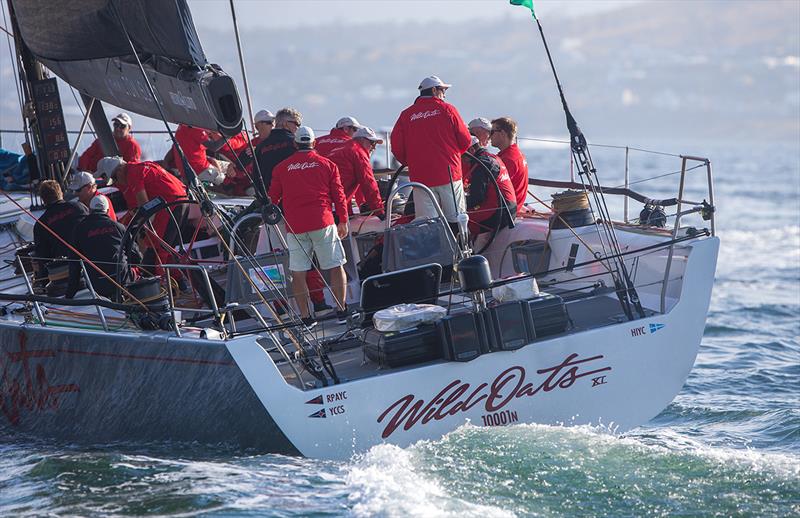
[
  {"x": 264, "y": 121},
  {"x": 338, "y": 136},
  {"x": 429, "y": 137},
  {"x": 128, "y": 148},
  {"x": 83, "y": 184},
  {"x": 307, "y": 185},
  {"x": 99, "y": 239},
  {"x": 355, "y": 169},
  {"x": 480, "y": 127}
]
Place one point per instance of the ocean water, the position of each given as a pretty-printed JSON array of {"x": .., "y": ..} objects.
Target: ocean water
[{"x": 728, "y": 445}]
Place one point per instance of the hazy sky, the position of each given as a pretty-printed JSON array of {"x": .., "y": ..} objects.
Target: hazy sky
[{"x": 283, "y": 13}]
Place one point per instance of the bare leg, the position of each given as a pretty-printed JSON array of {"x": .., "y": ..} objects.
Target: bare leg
[
  {"x": 300, "y": 292},
  {"x": 339, "y": 286}
]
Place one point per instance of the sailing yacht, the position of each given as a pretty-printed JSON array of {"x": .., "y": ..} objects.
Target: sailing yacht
[{"x": 570, "y": 317}]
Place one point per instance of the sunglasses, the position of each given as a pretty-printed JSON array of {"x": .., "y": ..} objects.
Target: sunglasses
[
  {"x": 119, "y": 125},
  {"x": 294, "y": 122}
]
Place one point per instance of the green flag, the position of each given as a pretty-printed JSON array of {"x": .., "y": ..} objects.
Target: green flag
[{"x": 525, "y": 3}]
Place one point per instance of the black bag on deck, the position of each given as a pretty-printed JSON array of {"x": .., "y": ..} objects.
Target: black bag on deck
[
  {"x": 463, "y": 336},
  {"x": 546, "y": 315},
  {"x": 396, "y": 349}
]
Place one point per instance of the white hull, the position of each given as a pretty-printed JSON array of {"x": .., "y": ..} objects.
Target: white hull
[{"x": 619, "y": 375}]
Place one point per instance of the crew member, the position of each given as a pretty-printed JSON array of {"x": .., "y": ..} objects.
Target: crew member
[
  {"x": 193, "y": 144},
  {"x": 279, "y": 145},
  {"x": 338, "y": 136},
  {"x": 84, "y": 185},
  {"x": 481, "y": 128},
  {"x": 60, "y": 217},
  {"x": 504, "y": 135},
  {"x": 128, "y": 148},
  {"x": 429, "y": 137},
  {"x": 355, "y": 169},
  {"x": 99, "y": 239},
  {"x": 140, "y": 183},
  {"x": 307, "y": 184},
  {"x": 484, "y": 208},
  {"x": 264, "y": 121}
]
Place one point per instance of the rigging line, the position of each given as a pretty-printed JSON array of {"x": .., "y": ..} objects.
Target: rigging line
[
  {"x": 74, "y": 250},
  {"x": 660, "y": 176},
  {"x": 80, "y": 107},
  {"x": 12, "y": 57},
  {"x": 241, "y": 63},
  {"x": 608, "y": 146}
]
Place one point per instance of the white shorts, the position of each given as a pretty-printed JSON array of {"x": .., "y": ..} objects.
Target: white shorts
[
  {"x": 324, "y": 242},
  {"x": 424, "y": 208}
]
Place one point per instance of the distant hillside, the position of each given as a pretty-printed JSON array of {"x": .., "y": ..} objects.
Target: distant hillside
[{"x": 703, "y": 69}]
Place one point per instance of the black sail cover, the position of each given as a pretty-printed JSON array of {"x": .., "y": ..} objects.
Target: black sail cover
[{"x": 84, "y": 43}]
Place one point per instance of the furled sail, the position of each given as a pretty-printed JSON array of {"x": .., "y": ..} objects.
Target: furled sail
[{"x": 84, "y": 43}]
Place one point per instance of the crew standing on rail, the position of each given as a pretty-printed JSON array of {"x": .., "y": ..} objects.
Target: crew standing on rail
[
  {"x": 60, "y": 217},
  {"x": 193, "y": 144},
  {"x": 140, "y": 183},
  {"x": 99, "y": 239},
  {"x": 355, "y": 169},
  {"x": 83, "y": 184},
  {"x": 338, "y": 136},
  {"x": 504, "y": 136},
  {"x": 307, "y": 185},
  {"x": 429, "y": 137},
  {"x": 128, "y": 148},
  {"x": 487, "y": 211}
]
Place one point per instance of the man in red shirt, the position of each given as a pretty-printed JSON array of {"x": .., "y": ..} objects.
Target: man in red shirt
[
  {"x": 307, "y": 184},
  {"x": 485, "y": 210},
  {"x": 129, "y": 149},
  {"x": 84, "y": 185},
  {"x": 504, "y": 135},
  {"x": 429, "y": 137},
  {"x": 142, "y": 182},
  {"x": 264, "y": 121},
  {"x": 339, "y": 136},
  {"x": 355, "y": 169},
  {"x": 193, "y": 144}
]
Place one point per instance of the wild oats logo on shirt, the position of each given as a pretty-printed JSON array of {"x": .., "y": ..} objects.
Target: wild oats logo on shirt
[
  {"x": 302, "y": 165},
  {"x": 425, "y": 114}
]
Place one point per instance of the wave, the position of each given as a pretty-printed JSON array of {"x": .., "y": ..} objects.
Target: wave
[{"x": 566, "y": 471}]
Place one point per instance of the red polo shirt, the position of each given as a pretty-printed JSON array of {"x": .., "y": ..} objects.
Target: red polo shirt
[
  {"x": 517, "y": 167},
  {"x": 129, "y": 149},
  {"x": 307, "y": 184},
  {"x": 154, "y": 180}
]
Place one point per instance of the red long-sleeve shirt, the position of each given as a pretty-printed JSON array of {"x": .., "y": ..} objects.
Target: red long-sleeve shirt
[
  {"x": 129, "y": 150},
  {"x": 355, "y": 170},
  {"x": 308, "y": 184},
  {"x": 192, "y": 141},
  {"x": 517, "y": 167},
  {"x": 428, "y": 137},
  {"x": 333, "y": 140}
]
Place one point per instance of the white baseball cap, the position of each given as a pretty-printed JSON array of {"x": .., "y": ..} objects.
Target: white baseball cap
[
  {"x": 264, "y": 116},
  {"x": 480, "y": 122},
  {"x": 108, "y": 165},
  {"x": 124, "y": 118},
  {"x": 80, "y": 180},
  {"x": 347, "y": 121},
  {"x": 367, "y": 133},
  {"x": 304, "y": 135},
  {"x": 431, "y": 82},
  {"x": 99, "y": 204}
]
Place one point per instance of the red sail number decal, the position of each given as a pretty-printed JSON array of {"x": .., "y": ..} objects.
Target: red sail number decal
[
  {"x": 30, "y": 389},
  {"x": 459, "y": 397}
]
